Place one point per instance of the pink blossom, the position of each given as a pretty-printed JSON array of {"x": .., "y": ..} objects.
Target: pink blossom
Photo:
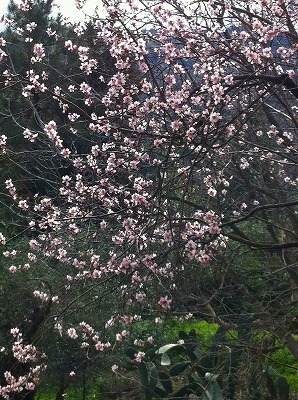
[
  {"x": 150, "y": 339},
  {"x": 38, "y": 51},
  {"x": 138, "y": 342},
  {"x": 114, "y": 367},
  {"x": 68, "y": 44},
  {"x": 23, "y": 205},
  {"x": 3, "y": 140},
  {"x": 80, "y": 3},
  {"x": 140, "y": 296},
  {"x": 31, "y": 136},
  {"x": 215, "y": 117},
  {"x": 3, "y": 55},
  {"x": 139, "y": 357},
  {"x": 2, "y": 239},
  {"x": 99, "y": 346},
  {"x": 43, "y": 296},
  {"x": 83, "y": 52},
  {"x": 212, "y": 192},
  {"x": 73, "y": 117},
  {"x": 165, "y": 302},
  {"x": 119, "y": 337},
  {"x": 72, "y": 333},
  {"x": 13, "y": 269}
]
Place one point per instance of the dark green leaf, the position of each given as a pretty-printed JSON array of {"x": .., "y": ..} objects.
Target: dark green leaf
[
  {"x": 213, "y": 392},
  {"x": 192, "y": 334},
  {"x": 183, "y": 335},
  {"x": 194, "y": 354},
  {"x": 196, "y": 377},
  {"x": 197, "y": 352},
  {"x": 150, "y": 354},
  {"x": 166, "y": 382},
  {"x": 179, "y": 368},
  {"x": 271, "y": 371},
  {"x": 143, "y": 376},
  {"x": 217, "y": 391},
  {"x": 271, "y": 387},
  {"x": 206, "y": 362},
  {"x": 182, "y": 393},
  {"x": 283, "y": 388},
  {"x": 235, "y": 359},
  {"x": 220, "y": 335},
  {"x": 130, "y": 352},
  {"x": 160, "y": 393},
  {"x": 153, "y": 379}
]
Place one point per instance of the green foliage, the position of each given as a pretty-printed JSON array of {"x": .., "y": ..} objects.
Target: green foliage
[
  {"x": 169, "y": 330},
  {"x": 278, "y": 386},
  {"x": 171, "y": 379},
  {"x": 205, "y": 330},
  {"x": 176, "y": 370},
  {"x": 286, "y": 366}
]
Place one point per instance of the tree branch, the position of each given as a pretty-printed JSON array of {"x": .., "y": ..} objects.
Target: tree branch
[{"x": 283, "y": 80}]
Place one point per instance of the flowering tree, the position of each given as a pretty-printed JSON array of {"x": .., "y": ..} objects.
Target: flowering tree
[{"x": 172, "y": 158}]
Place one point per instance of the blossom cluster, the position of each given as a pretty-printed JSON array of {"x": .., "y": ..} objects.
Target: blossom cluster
[{"x": 25, "y": 354}]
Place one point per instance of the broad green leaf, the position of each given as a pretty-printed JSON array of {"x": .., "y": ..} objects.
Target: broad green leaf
[
  {"x": 150, "y": 354},
  {"x": 179, "y": 368},
  {"x": 192, "y": 334},
  {"x": 217, "y": 391},
  {"x": 197, "y": 352},
  {"x": 130, "y": 352},
  {"x": 213, "y": 392},
  {"x": 206, "y": 362},
  {"x": 143, "y": 376},
  {"x": 220, "y": 335},
  {"x": 153, "y": 379},
  {"x": 194, "y": 355},
  {"x": 183, "y": 335},
  {"x": 196, "y": 377},
  {"x": 271, "y": 387},
  {"x": 160, "y": 393},
  {"x": 166, "y": 382},
  {"x": 271, "y": 371},
  {"x": 283, "y": 388},
  {"x": 182, "y": 393}
]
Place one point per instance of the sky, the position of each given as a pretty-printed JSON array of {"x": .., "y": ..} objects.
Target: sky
[{"x": 67, "y": 8}]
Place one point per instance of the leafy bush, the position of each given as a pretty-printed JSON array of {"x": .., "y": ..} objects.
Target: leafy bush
[{"x": 208, "y": 365}]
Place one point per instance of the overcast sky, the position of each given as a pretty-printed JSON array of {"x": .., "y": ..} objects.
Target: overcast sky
[{"x": 67, "y": 8}]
